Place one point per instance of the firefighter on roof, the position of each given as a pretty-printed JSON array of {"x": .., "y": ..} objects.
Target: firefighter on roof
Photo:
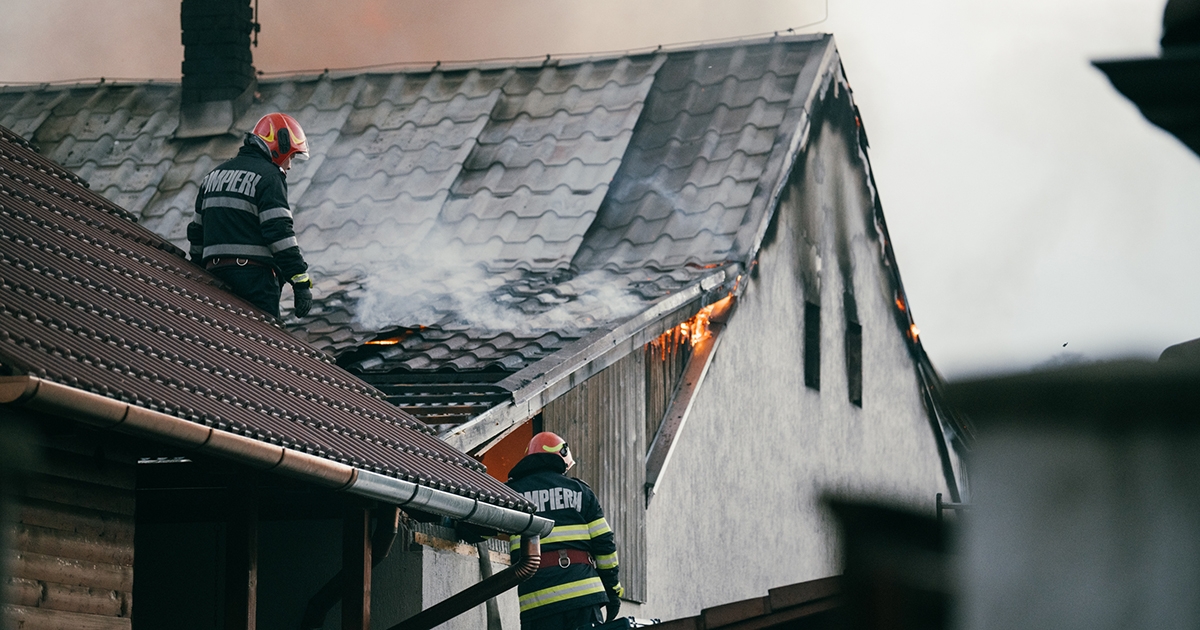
[
  {"x": 242, "y": 230},
  {"x": 578, "y": 573}
]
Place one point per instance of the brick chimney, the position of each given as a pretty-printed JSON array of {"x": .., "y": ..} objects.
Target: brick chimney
[{"x": 218, "y": 69}]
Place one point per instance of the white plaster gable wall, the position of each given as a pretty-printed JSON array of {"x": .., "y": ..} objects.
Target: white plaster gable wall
[{"x": 737, "y": 511}]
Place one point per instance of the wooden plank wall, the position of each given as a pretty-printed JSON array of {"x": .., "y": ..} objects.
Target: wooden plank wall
[
  {"x": 603, "y": 420},
  {"x": 71, "y": 556},
  {"x": 666, "y": 359}
]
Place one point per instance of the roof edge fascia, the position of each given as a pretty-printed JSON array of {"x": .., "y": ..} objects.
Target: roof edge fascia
[
  {"x": 45, "y": 396},
  {"x": 541, "y": 382}
]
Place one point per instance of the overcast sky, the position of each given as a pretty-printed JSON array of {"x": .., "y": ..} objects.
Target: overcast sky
[{"x": 1035, "y": 215}]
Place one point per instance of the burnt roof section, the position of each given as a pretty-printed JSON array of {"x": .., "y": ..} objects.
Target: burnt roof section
[
  {"x": 496, "y": 213},
  {"x": 94, "y": 301}
]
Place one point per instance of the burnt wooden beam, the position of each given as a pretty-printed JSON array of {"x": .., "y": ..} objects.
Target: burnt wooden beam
[
  {"x": 356, "y": 570},
  {"x": 685, "y": 395},
  {"x": 241, "y": 559}
]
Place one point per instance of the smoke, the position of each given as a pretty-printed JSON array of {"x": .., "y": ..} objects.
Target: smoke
[
  {"x": 56, "y": 40},
  {"x": 313, "y": 34},
  {"x": 462, "y": 297},
  {"x": 429, "y": 277},
  {"x": 51, "y": 40}
]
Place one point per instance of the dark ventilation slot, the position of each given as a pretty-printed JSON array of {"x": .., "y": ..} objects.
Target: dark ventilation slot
[
  {"x": 812, "y": 345},
  {"x": 854, "y": 374}
]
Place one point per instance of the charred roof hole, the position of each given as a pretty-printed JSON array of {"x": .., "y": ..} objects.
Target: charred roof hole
[{"x": 393, "y": 336}]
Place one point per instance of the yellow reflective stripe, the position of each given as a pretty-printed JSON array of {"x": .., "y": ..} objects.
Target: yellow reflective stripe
[
  {"x": 564, "y": 533},
  {"x": 619, "y": 590},
  {"x": 514, "y": 543},
  {"x": 598, "y": 527},
  {"x": 570, "y": 590},
  {"x": 606, "y": 561}
]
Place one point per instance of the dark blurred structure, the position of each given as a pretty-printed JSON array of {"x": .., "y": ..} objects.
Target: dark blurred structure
[
  {"x": 1085, "y": 483},
  {"x": 896, "y": 568},
  {"x": 1167, "y": 88}
]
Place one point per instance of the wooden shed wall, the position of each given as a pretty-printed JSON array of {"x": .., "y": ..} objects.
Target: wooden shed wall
[
  {"x": 71, "y": 557},
  {"x": 666, "y": 359},
  {"x": 604, "y": 420}
]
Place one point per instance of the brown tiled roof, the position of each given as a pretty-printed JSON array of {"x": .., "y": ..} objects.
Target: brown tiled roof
[{"x": 92, "y": 300}]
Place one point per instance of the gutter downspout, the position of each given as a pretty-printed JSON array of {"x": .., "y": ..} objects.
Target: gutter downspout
[
  {"x": 455, "y": 605},
  {"x": 53, "y": 398}
]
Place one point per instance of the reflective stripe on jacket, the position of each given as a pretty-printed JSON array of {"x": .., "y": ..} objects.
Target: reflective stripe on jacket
[{"x": 242, "y": 212}]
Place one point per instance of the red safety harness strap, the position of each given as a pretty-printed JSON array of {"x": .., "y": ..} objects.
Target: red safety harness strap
[{"x": 564, "y": 558}]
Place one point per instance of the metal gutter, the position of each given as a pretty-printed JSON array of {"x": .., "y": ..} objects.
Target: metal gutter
[
  {"x": 553, "y": 376},
  {"x": 45, "y": 396}
]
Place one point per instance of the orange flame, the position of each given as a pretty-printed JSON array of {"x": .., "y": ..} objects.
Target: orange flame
[
  {"x": 914, "y": 332},
  {"x": 383, "y": 342},
  {"x": 693, "y": 331}
]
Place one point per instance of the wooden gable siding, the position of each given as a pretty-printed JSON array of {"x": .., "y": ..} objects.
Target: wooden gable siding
[
  {"x": 604, "y": 421},
  {"x": 666, "y": 359},
  {"x": 71, "y": 556}
]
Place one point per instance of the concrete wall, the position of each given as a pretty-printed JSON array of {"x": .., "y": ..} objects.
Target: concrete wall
[
  {"x": 737, "y": 510},
  {"x": 413, "y": 579}
]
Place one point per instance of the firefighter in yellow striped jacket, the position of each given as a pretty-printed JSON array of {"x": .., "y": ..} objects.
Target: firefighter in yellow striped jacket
[{"x": 578, "y": 573}]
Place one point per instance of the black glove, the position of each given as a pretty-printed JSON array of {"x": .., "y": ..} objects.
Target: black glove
[
  {"x": 303, "y": 300},
  {"x": 613, "y": 607},
  {"x": 302, "y": 291}
]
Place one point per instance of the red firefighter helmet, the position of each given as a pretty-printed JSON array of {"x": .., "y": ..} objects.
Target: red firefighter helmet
[
  {"x": 281, "y": 136},
  {"x": 547, "y": 442}
]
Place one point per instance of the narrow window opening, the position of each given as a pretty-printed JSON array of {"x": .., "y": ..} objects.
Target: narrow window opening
[
  {"x": 812, "y": 345},
  {"x": 854, "y": 361}
]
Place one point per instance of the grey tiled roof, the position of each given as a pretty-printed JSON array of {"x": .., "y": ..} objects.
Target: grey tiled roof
[{"x": 491, "y": 214}]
